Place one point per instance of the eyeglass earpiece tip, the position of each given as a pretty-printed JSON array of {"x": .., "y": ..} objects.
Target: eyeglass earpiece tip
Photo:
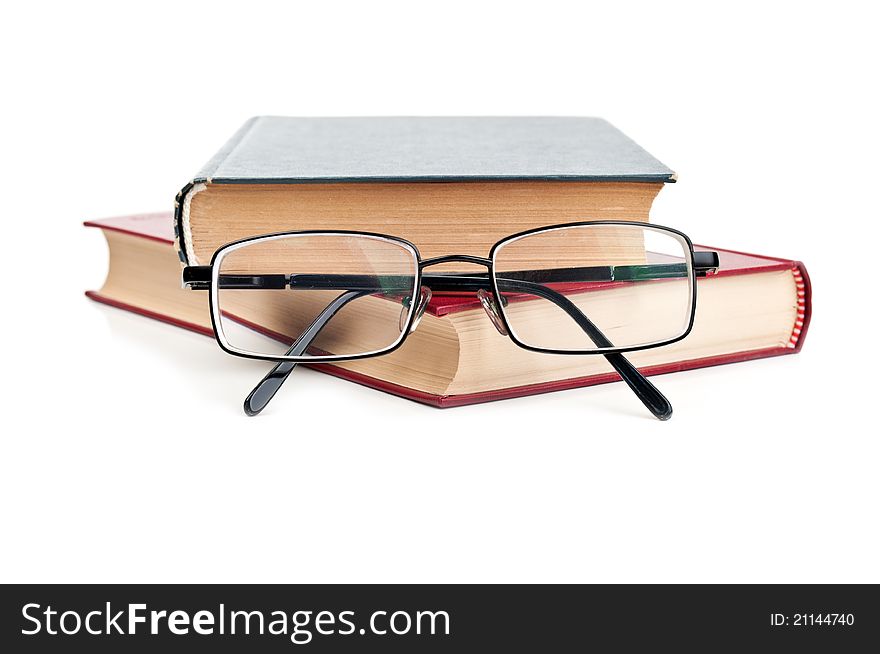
[{"x": 249, "y": 409}]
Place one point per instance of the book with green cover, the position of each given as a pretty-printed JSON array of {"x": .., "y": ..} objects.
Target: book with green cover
[{"x": 448, "y": 184}]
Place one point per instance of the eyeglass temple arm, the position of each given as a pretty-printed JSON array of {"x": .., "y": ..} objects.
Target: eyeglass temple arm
[
  {"x": 199, "y": 277},
  {"x": 650, "y": 396},
  {"x": 704, "y": 263},
  {"x": 264, "y": 391},
  {"x": 465, "y": 281}
]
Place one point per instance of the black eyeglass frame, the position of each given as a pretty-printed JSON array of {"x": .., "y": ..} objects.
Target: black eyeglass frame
[{"x": 206, "y": 278}]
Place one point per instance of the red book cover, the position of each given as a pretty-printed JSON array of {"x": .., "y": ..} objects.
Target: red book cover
[{"x": 159, "y": 227}]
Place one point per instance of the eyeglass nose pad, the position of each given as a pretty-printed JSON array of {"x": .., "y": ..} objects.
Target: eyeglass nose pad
[
  {"x": 491, "y": 309},
  {"x": 424, "y": 298}
]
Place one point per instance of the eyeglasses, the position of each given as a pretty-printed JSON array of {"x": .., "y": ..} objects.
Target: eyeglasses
[{"x": 601, "y": 287}]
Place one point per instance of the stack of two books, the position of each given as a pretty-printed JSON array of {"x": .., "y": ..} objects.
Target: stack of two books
[{"x": 452, "y": 185}]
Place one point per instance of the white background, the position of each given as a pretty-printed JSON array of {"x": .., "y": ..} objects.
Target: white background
[{"x": 125, "y": 455}]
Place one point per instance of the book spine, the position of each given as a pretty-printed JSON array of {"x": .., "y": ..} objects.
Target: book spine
[
  {"x": 181, "y": 200},
  {"x": 804, "y": 306},
  {"x": 180, "y": 243}
]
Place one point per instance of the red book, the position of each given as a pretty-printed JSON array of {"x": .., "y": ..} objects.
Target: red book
[{"x": 754, "y": 307}]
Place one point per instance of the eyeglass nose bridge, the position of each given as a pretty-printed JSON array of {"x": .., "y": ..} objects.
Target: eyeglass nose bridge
[
  {"x": 453, "y": 258},
  {"x": 485, "y": 295}
]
